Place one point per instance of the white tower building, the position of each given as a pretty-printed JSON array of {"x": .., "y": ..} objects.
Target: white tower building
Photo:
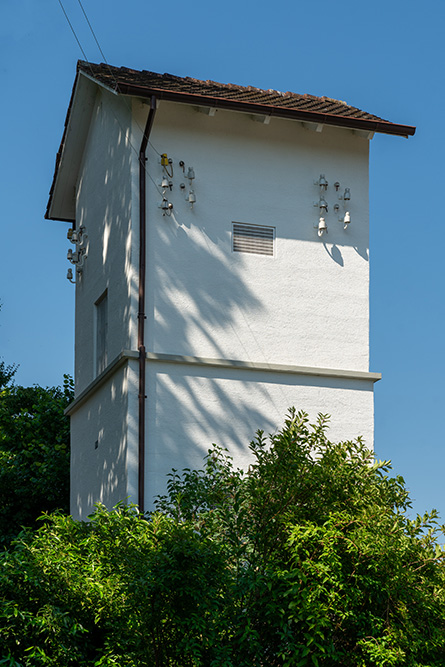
[{"x": 221, "y": 260}]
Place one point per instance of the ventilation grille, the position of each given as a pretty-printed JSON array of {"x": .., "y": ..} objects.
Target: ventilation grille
[{"x": 255, "y": 239}]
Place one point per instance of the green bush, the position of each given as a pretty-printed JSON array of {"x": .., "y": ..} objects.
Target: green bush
[
  {"x": 308, "y": 558},
  {"x": 34, "y": 454}
]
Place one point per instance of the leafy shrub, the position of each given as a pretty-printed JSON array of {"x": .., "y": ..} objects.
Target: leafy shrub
[
  {"x": 308, "y": 558},
  {"x": 34, "y": 454}
]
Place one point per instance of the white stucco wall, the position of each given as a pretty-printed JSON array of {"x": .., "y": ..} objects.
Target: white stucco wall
[
  {"x": 104, "y": 202},
  {"x": 308, "y": 305},
  {"x": 189, "y": 408},
  {"x": 102, "y": 435},
  {"x": 102, "y": 432}
]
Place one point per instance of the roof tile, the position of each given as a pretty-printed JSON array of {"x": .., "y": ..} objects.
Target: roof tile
[{"x": 130, "y": 81}]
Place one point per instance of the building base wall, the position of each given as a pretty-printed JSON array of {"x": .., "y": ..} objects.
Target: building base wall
[
  {"x": 191, "y": 404},
  {"x": 99, "y": 438},
  {"x": 190, "y": 407}
]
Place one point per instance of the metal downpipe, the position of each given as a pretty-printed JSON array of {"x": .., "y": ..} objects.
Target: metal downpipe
[{"x": 141, "y": 302}]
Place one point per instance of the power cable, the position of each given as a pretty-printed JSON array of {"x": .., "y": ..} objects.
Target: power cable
[
  {"x": 102, "y": 54},
  {"x": 107, "y": 63},
  {"x": 93, "y": 33},
  {"x": 124, "y": 130},
  {"x": 73, "y": 31}
]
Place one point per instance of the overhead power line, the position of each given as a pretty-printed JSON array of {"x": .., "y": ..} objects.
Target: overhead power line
[
  {"x": 104, "y": 59},
  {"x": 73, "y": 31},
  {"x": 93, "y": 33},
  {"x": 112, "y": 75}
]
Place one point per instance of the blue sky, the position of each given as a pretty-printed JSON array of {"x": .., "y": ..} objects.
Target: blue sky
[{"x": 385, "y": 58}]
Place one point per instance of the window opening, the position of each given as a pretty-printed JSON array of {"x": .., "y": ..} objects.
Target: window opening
[{"x": 101, "y": 333}]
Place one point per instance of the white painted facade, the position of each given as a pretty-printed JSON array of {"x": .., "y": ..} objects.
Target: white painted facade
[{"x": 233, "y": 339}]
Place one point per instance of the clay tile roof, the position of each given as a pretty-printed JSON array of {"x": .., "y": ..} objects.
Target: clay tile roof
[{"x": 252, "y": 100}]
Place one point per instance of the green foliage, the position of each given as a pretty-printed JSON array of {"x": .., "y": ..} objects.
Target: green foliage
[
  {"x": 7, "y": 372},
  {"x": 307, "y": 559},
  {"x": 118, "y": 590},
  {"x": 34, "y": 454}
]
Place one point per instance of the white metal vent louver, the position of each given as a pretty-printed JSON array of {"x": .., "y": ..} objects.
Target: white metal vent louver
[{"x": 256, "y": 239}]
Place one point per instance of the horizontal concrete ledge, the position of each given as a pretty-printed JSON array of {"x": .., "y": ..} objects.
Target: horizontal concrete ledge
[
  {"x": 265, "y": 367},
  {"x": 112, "y": 367},
  {"x": 209, "y": 362}
]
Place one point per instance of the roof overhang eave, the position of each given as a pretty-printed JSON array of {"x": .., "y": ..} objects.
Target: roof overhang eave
[
  {"x": 61, "y": 205},
  {"x": 381, "y": 126}
]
